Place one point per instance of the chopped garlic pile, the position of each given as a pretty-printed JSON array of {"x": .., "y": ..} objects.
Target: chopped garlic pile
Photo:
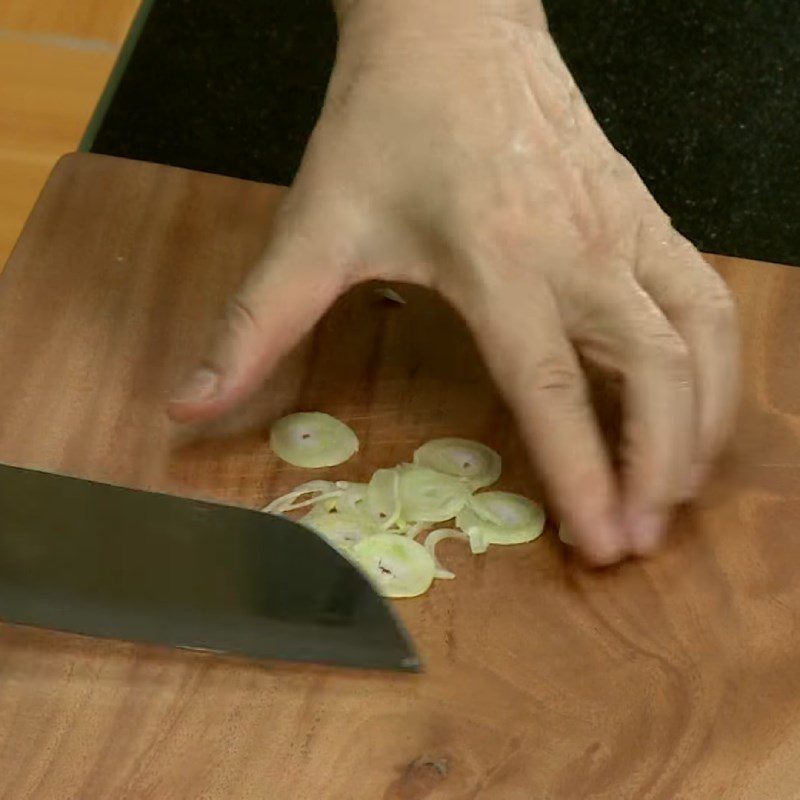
[{"x": 376, "y": 524}]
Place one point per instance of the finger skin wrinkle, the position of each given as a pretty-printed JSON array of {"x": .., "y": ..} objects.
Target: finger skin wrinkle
[
  {"x": 554, "y": 380},
  {"x": 241, "y": 315}
]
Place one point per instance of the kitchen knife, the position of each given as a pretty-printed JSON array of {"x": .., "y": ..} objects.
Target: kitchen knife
[{"x": 102, "y": 560}]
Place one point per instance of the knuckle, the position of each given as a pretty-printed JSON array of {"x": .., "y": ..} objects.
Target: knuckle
[
  {"x": 719, "y": 305},
  {"x": 667, "y": 351},
  {"x": 241, "y": 316},
  {"x": 556, "y": 377}
]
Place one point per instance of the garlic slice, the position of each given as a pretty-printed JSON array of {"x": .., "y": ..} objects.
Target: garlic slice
[
  {"x": 342, "y": 530},
  {"x": 502, "y": 518},
  {"x": 312, "y": 440},
  {"x": 323, "y": 492},
  {"x": 478, "y": 464},
  {"x": 430, "y": 496},
  {"x": 397, "y": 565}
]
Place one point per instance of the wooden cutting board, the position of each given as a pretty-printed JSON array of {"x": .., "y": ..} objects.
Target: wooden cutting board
[{"x": 674, "y": 678}]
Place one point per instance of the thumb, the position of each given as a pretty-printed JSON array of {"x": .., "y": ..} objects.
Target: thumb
[{"x": 278, "y": 304}]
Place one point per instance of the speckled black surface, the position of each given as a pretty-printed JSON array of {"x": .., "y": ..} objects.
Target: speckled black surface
[
  {"x": 703, "y": 97},
  {"x": 227, "y": 86}
]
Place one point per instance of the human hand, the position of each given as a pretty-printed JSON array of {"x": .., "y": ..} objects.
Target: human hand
[{"x": 455, "y": 151}]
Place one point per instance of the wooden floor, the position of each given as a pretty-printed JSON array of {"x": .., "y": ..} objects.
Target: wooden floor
[{"x": 55, "y": 57}]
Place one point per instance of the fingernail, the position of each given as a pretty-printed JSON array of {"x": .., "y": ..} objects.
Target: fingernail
[
  {"x": 606, "y": 544},
  {"x": 646, "y": 529},
  {"x": 200, "y": 387}
]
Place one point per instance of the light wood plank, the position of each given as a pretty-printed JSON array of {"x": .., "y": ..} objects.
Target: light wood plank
[
  {"x": 675, "y": 678},
  {"x": 19, "y": 188},
  {"x": 47, "y": 95},
  {"x": 95, "y": 20}
]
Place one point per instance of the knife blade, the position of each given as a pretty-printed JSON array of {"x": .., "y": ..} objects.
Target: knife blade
[{"x": 102, "y": 560}]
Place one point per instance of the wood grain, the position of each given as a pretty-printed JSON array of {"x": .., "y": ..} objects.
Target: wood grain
[
  {"x": 47, "y": 95},
  {"x": 675, "y": 678},
  {"x": 92, "y": 20}
]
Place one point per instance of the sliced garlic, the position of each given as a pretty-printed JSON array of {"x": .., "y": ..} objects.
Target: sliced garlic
[
  {"x": 397, "y": 565},
  {"x": 376, "y": 523},
  {"x": 412, "y": 531},
  {"x": 383, "y": 497},
  {"x": 430, "y": 496},
  {"x": 342, "y": 530},
  {"x": 478, "y": 464},
  {"x": 324, "y": 492},
  {"x": 432, "y": 539},
  {"x": 312, "y": 440},
  {"x": 502, "y": 518},
  {"x": 353, "y": 499}
]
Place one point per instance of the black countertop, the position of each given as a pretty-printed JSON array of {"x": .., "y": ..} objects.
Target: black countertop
[{"x": 702, "y": 97}]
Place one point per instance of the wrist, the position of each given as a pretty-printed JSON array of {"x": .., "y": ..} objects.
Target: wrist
[{"x": 434, "y": 20}]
